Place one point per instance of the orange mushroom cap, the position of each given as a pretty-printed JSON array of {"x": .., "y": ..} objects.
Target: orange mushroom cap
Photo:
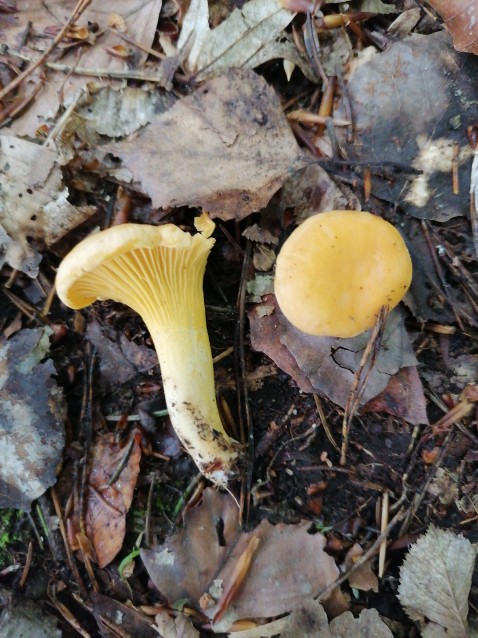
[{"x": 338, "y": 269}]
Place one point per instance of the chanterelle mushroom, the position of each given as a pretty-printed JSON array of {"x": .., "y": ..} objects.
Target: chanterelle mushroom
[
  {"x": 336, "y": 271},
  {"x": 158, "y": 272}
]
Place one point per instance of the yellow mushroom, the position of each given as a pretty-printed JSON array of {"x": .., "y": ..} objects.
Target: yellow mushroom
[
  {"x": 158, "y": 272},
  {"x": 336, "y": 271}
]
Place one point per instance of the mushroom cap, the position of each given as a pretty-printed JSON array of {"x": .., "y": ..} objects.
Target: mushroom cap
[
  {"x": 336, "y": 271},
  {"x": 100, "y": 266}
]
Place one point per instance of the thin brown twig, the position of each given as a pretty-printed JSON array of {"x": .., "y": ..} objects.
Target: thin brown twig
[
  {"x": 77, "y": 11},
  {"x": 373, "y": 549},
  {"x": 361, "y": 377}
]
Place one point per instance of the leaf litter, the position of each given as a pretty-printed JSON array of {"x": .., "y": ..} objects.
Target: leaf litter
[
  {"x": 199, "y": 560},
  {"x": 414, "y": 157}
]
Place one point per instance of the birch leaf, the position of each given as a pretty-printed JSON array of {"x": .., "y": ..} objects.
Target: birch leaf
[
  {"x": 236, "y": 41},
  {"x": 435, "y": 580}
]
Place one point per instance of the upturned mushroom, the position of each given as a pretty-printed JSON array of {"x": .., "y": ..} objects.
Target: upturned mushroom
[
  {"x": 158, "y": 272},
  {"x": 338, "y": 269}
]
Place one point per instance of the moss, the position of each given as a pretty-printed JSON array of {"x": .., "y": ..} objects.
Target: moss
[{"x": 12, "y": 535}]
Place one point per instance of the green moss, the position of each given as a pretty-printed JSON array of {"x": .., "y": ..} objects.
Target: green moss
[{"x": 13, "y": 537}]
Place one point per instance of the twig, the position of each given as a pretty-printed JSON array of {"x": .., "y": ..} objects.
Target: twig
[
  {"x": 111, "y": 74},
  {"x": 361, "y": 377},
  {"x": 243, "y": 406},
  {"x": 325, "y": 423},
  {"x": 77, "y": 11},
  {"x": 383, "y": 547},
  {"x": 364, "y": 558}
]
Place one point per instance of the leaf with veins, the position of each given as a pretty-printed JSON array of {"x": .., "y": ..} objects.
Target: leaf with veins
[{"x": 235, "y": 42}]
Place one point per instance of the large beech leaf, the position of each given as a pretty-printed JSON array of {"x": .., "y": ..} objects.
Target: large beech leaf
[
  {"x": 435, "y": 581},
  {"x": 288, "y": 565},
  {"x": 32, "y": 414},
  {"x": 230, "y": 138}
]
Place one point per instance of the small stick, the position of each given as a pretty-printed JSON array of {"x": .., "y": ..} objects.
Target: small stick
[
  {"x": 367, "y": 362},
  {"x": 26, "y": 569},
  {"x": 383, "y": 547}
]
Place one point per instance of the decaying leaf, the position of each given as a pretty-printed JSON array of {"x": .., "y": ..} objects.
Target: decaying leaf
[
  {"x": 363, "y": 577},
  {"x": 178, "y": 627},
  {"x": 109, "y": 501},
  {"x": 229, "y": 137},
  {"x": 120, "y": 359},
  {"x": 310, "y": 621},
  {"x": 236, "y": 41},
  {"x": 461, "y": 20},
  {"x": 326, "y": 364},
  {"x": 411, "y": 107},
  {"x": 140, "y": 20},
  {"x": 24, "y": 617},
  {"x": 199, "y": 561},
  {"x": 435, "y": 581},
  {"x": 33, "y": 203},
  {"x": 32, "y": 414},
  {"x": 117, "y": 113}
]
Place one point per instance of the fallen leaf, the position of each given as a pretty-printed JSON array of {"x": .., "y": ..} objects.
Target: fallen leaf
[
  {"x": 107, "y": 505},
  {"x": 311, "y": 622},
  {"x": 177, "y": 627},
  {"x": 411, "y": 107},
  {"x": 368, "y": 624},
  {"x": 311, "y": 191},
  {"x": 326, "y": 364},
  {"x": 120, "y": 359},
  {"x": 33, "y": 203},
  {"x": 231, "y": 139},
  {"x": 120, "y": 112},
  {"x": 236, "y": 41},
  {"x": 363, "y": 577},
  {"x": 32, "y": 414},
  {"x": 24, "y": 617},
  {"x": 140, "y": 21},
  {"x": 435, "y": 581},
  {"x": 461, "y": 20},
  {"x": 288, "y": 564}
]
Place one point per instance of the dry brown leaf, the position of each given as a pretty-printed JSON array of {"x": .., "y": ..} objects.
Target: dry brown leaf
[
  {"x": 140, "y": 19},
  {"x": 107, "y": 505},
  {"x": 435, "y": 581},
  {"x": 461, "y": 20},
  {"x": 311, "y": 622},
  {"x": 177, "y": 627},
  {"x": 199, "y": 560},
  {"x": 411, "y": 107},
  {"x": 32, "y": 414},
  {"x": 120, "y": 359},
  {"x": 119, "y": 112},
  {"x": 327, "y": 365},
  {"x": 367, "y": 625},
  {"x": 363, "y": 577},
  {"x": 230, "y": 138},
  {"x": 33, "y": 203},
  {"x": 237, "y": 42}
]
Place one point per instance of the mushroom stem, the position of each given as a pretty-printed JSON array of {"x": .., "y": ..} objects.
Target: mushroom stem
[
  {"x": 187, "y": 372},
  {"x": 158, "y": 271}
]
